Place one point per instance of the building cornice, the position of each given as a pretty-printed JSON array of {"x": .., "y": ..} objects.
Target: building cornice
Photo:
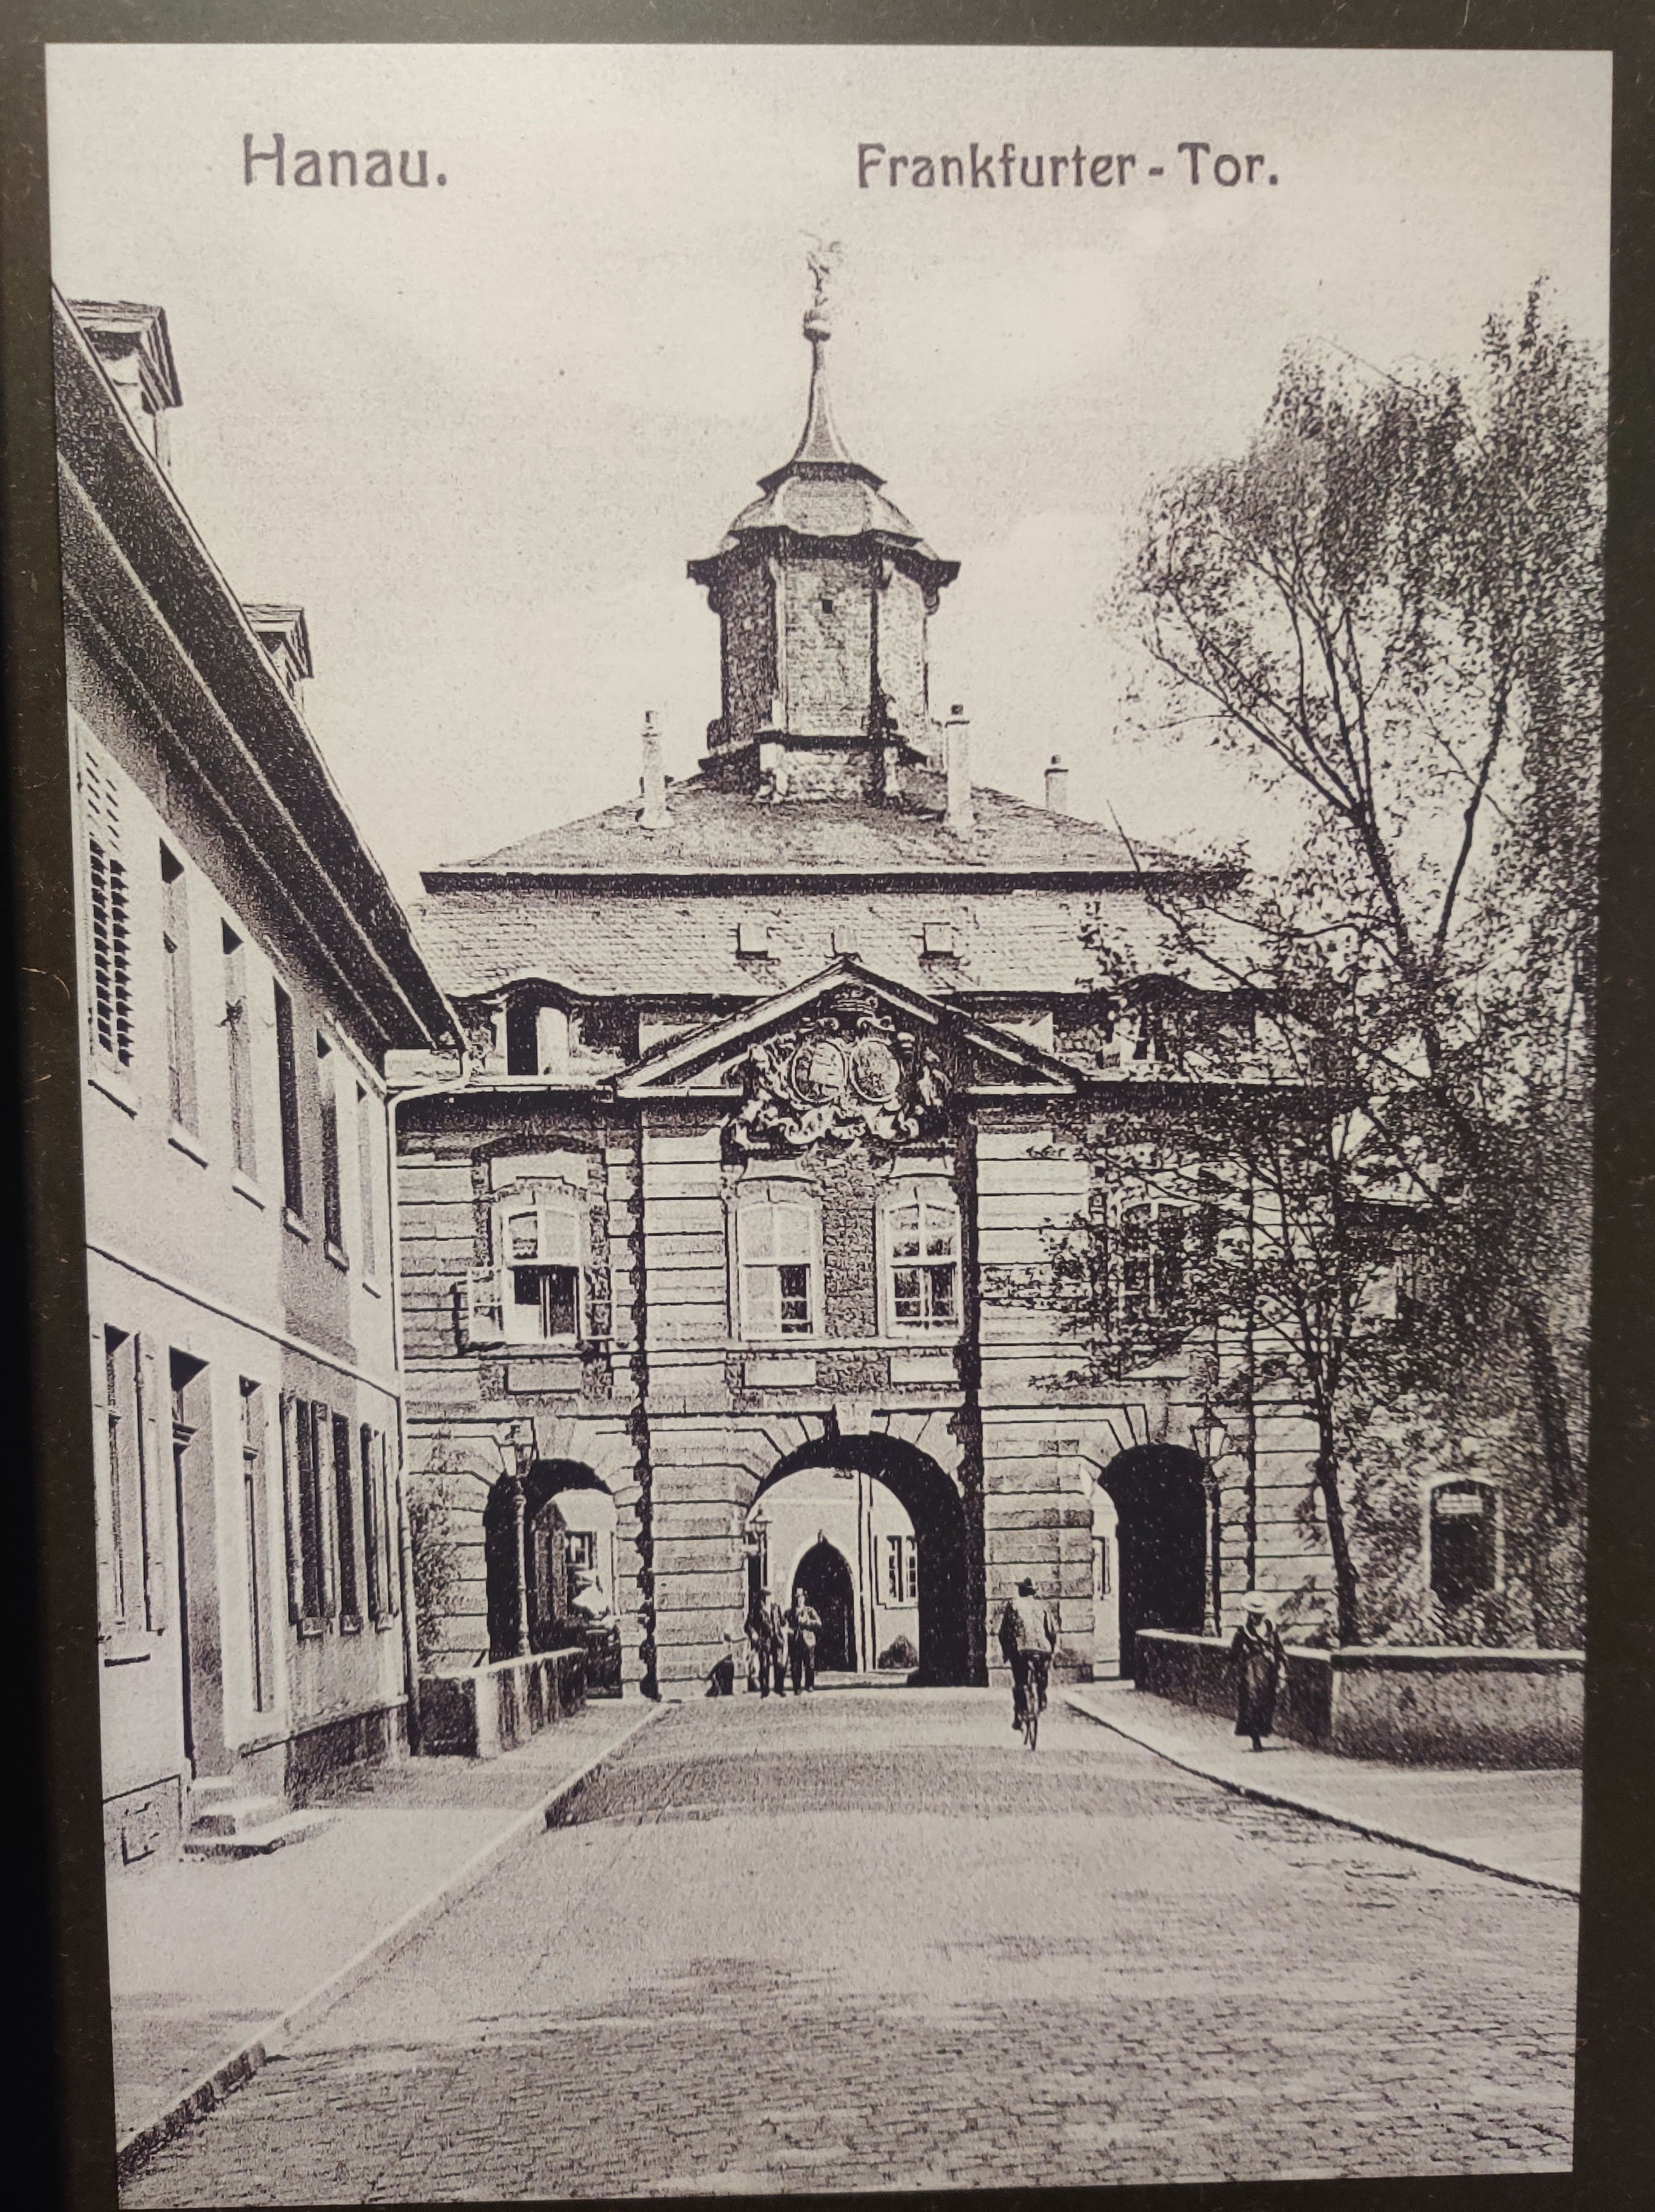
[{"x": 262, "y": 761}]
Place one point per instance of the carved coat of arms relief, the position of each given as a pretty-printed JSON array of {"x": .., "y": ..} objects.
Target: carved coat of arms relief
[{"x": 847, "y": 1074}]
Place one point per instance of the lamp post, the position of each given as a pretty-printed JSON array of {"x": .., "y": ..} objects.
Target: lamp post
[
  {"x": 755, "y": 1545},
  {"x": 1209, "y": 1436}
]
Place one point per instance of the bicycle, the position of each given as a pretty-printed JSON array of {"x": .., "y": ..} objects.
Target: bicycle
[{"x": 1034, "y": 1695}]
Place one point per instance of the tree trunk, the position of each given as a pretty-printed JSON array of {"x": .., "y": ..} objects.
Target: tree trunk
[
  {"x": 1547, "y": 1383},
  {"x": 1333, "y": 1504}
]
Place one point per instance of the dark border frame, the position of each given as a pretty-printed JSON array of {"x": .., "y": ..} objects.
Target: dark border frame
[{"x": 65, "y": 2077}]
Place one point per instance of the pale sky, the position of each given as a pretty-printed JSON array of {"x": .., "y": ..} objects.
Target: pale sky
[{"x": 477, "y": 430}]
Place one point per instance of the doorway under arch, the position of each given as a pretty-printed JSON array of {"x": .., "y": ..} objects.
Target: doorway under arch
[
  {"x": 941, "y": 1549},
  {"x": 1159, "y": 1497},
  {"x": 825, "y": 1574}
]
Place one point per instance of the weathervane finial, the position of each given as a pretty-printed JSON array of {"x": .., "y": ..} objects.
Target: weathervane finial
[{"x": 822, "y": 261}]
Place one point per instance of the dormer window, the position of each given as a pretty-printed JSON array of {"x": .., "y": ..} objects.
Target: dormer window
[
  {"x": 752, "y": 940},
  {"x": 537, "y": 1039},
  {"x": 939, "y": 941}
]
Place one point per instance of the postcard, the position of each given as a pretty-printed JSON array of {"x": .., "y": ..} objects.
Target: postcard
[{"x": 835, "y": 822}]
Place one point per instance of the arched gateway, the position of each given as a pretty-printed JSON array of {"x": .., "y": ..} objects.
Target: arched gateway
[
  {"x": 1159, "y": 1496},
  {"x": 942, "y": 1552},
  {"x": 541, "y": 1534}
]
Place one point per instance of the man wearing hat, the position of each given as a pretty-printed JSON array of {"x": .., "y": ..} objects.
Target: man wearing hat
[
  {"x": 1256, "y": 1654},
  {"x": 768, "y": 1631},
  {"x": 1028, "y": 1637}
]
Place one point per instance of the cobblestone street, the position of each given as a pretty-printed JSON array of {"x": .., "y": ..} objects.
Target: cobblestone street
[{"x": 868, "y": 1942}]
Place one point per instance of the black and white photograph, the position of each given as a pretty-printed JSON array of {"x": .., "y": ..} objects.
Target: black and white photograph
[{"x": 835, "y": 821}]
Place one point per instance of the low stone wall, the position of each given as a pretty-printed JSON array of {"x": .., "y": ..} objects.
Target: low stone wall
[
  {"x": 1427, "y": 1706},
  {"x": 478, "y": 1712}
]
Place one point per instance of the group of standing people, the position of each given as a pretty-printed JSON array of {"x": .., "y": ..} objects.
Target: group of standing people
[{"x": 778, "y": 1644}]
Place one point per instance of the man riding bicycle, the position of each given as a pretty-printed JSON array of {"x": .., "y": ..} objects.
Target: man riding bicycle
[{"x": 1028, "y": 1637}]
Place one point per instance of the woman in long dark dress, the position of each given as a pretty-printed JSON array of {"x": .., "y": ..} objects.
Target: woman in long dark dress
[{"x": 1255, "y": 1651}]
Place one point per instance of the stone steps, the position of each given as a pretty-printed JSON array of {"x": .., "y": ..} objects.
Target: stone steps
[{"x": 224, "y": 1825}]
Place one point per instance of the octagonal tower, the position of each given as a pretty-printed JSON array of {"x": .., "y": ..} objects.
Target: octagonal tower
[{"x": 823, "y": 588}]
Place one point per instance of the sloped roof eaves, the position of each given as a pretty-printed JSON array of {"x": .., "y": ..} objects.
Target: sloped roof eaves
[
  {"x": 720, "y": 835},
  {"x": 120, "y": 484}
]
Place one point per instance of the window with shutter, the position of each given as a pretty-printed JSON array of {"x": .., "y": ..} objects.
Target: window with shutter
[
  {"x": 238, "y": 1049},
  {"x": 109, "y": 916},
  {"x": 255, "y": 1524},
  {"x": 372, "y": 1529},
  {"x": 127, "y": 1535},
  {"x": 328, "y": 1102},
  {"x": 287, "y": 1076},
  {"x": 775, "y": 1239},
  {"x": 175, "y": 978},
  {"x": 347, "y": 1549},
  {"x": 540, "y": 1248},
  {"x": 367, "y": 1234}
]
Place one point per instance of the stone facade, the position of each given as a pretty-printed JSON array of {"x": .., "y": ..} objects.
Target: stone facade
[{"x": 831, "y": 1097}]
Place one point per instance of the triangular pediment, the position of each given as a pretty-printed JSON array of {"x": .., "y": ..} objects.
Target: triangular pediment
[{"x": 850, "y": 1032}]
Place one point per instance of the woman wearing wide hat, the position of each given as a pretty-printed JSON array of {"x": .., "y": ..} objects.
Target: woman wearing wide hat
[{"x": 1256, "y": 1651}]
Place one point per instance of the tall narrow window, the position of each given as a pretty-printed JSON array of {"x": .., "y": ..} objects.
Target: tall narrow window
[
  {"x": 390, "y": 1526},
  {"x": 175, "y": 977},
  {"x": 368, "y": 1449},
  {"x": 921, "y": 1242},
  {"x": 1154, "y": 1241},
  {"x": 307, "y": 1587},
  {"x": 344, "y": 1513},
  {"x": 287, "y": 1073},
  {"x": 256, "y": 1525},
  {"x": 127, "y": 1532},
  {"x": 541, "y": 1290},
  {"x": 366, "y": 1180},
  {"x": 901, "y": 1573},
  {"x": 108, "y": 915},
  {"x": 238, "y": 1049},
  {"x": 328, "y": 1098},
  {"x": 774, "y": 1241}
]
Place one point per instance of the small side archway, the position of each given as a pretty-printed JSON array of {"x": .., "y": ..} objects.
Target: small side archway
[
  {"x": 1159, "y": 1497},
  {"x": 540, "y": 1530}
]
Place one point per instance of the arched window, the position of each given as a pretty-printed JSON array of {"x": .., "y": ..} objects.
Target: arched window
[
  {"x": 776, "y": 1255},
  {"x": 539, "y": 1254},
  {"x": 1464, "y": 1539},
  {"x": 920, "y": 1228}
]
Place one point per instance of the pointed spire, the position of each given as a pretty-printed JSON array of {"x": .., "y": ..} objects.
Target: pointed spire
[{"x": 821, "y": 441}]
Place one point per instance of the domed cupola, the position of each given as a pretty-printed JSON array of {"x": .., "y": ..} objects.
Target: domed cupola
[{"x": 823, "y": 588}]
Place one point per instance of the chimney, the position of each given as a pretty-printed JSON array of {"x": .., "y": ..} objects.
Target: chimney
[
  {"x": 1057, "y": 786},
  {"x": 958, "y": 741},
  {"x": 652, "y": 814},
  {"x": 131, "y": 342}
]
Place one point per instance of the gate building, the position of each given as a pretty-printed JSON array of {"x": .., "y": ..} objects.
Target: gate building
[{"x": 786, "y": 1087}]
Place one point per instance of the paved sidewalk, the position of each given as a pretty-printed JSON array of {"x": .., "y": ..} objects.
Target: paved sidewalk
[
  {"x": 208, "y": 1958},
  {"x": 1523, "y": 1823}
]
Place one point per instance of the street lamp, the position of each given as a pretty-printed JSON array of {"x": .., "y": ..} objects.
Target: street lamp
[
  {"x": 755, "y": 1545},
  {"x": 1208, "y": 1435}
]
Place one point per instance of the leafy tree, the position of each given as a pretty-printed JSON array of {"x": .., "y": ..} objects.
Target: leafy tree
[{"x": 1389, "y": 606}]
